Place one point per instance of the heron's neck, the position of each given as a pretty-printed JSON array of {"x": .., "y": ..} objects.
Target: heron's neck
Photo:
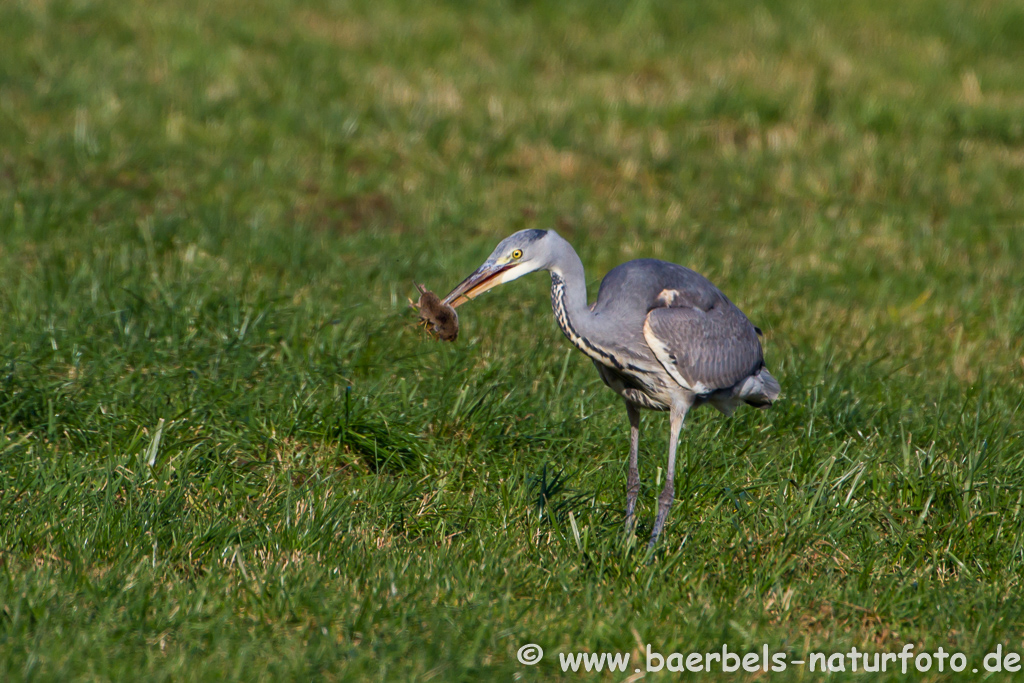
[{"x": 569, "y": 296}]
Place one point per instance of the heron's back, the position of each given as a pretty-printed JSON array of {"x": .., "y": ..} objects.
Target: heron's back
[
  {"x": 708, "y": 343},
  {"x": 637, "y": 286}
]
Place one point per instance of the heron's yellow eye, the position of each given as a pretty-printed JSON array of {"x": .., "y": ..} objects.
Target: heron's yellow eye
[{"x": 518, "y": 253}]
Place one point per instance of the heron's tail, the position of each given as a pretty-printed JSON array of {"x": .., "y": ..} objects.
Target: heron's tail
[{"x": 759, "y": 390}]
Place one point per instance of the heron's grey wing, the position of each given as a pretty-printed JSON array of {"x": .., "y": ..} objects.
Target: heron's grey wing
[{"x": 704, "y": 350}]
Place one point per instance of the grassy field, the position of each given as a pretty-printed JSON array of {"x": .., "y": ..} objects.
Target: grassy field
[{"x": 227, "y": 453}]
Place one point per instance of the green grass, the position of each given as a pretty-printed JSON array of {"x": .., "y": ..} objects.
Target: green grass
[{"x": 211, "y": 216}]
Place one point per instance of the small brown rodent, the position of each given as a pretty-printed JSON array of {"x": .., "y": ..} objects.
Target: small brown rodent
[{"x": 440, "y": 318}]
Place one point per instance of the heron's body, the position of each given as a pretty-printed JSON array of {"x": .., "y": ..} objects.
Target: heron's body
[
  {"x": 629, "y": 321},
  {"x": 662, "y": 337}
]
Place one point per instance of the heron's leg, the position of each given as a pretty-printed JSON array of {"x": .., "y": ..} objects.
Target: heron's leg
[
  {"x": 676, "y": 418},
  {"x": 633, "y": 478}
]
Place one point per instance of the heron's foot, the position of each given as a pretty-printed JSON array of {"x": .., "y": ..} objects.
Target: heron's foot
[
  {"x": 654, "y": 539},
  {"x": 664, "y": 505},
  {"x": 631, "y": 513},
  {"x": 630, "y": 526},
  {"x": 632, "y": 491},
  {"x": 658, "y": 524}
]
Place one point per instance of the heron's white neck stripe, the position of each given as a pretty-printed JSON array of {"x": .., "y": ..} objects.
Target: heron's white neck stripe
[{"x": 564, "y": 322}]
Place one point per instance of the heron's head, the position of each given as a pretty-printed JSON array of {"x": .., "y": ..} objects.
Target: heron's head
[{"x": 516, "y": 255}]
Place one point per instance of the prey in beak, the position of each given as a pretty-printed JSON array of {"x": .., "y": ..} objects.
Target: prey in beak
[
  {"x": 440, "y": 319},
  {"x": 483, "y": 278}
]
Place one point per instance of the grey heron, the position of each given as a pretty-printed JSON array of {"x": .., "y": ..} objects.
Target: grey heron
[{"x": 661, "y": 335}]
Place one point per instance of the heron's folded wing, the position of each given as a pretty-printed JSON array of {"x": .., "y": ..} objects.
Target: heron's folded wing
[{"x": 704, "y": 350}]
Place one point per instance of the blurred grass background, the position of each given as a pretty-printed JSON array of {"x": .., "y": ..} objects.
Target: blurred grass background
[{"x": 211, "y": 215}]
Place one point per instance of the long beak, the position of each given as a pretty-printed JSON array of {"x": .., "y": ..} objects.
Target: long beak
[{"x": 483, "y": 278}]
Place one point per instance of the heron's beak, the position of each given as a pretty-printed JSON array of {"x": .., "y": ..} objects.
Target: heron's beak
[{"x": 483, "y": 278}]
